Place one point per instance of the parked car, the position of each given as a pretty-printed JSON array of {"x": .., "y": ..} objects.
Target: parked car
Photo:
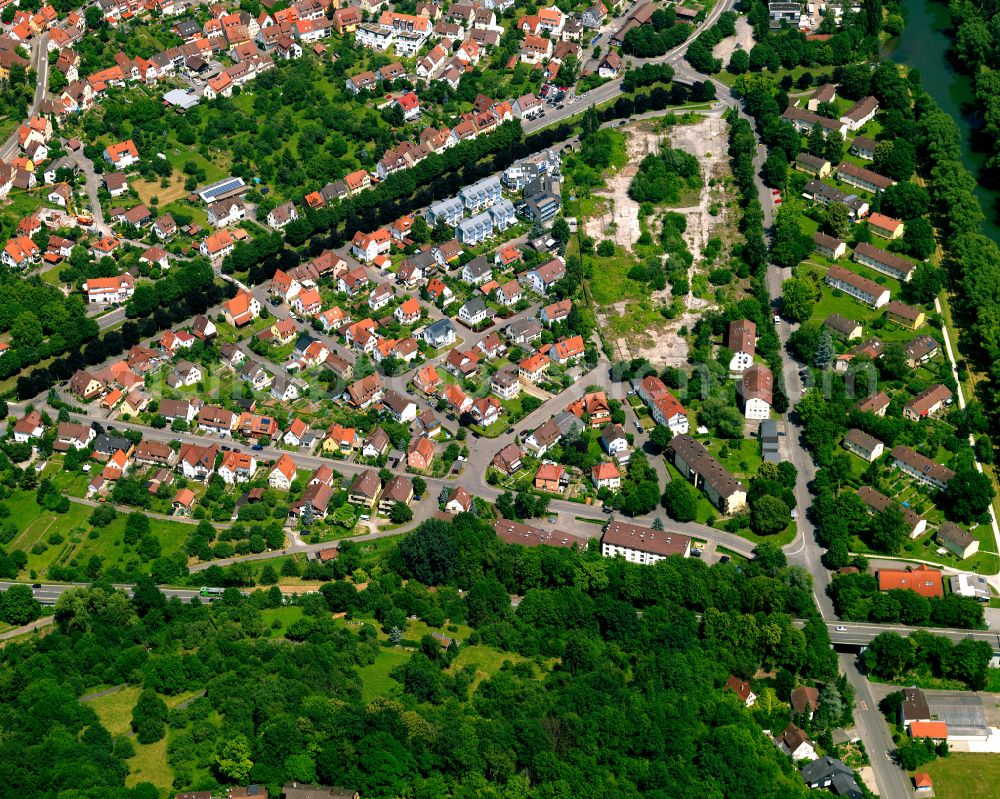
[{"x": 256, "y": 448}]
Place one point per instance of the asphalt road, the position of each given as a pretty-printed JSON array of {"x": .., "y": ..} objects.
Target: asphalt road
[
  {"x": 49, "y": 593},
  {"x": 683, "y": 73},
  {"x": 39, "y": 63},
  {"x": 891, "y": 781}
]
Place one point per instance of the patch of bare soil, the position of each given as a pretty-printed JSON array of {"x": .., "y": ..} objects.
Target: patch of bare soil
[
  {"x": 620, "y": 220},
  {"x": 743, "y": 40},
  {"x": 706, "y": 140}
]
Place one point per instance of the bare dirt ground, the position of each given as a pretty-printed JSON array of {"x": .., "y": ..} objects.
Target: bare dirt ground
[
  {"x": 147, "y": 189},
  {"x": 743, "y": 39},
  {"x": 707, "y": 141},
  {"x": 620, "y": 222}
]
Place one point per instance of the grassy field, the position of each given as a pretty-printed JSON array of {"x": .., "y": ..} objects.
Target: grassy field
[
  {"x": 150, "y": 761},
  {"x": 375, "y": 679},
  {"x": 965, "y": 776},
  {"x": 610, "y": 283},
  {"x": 115, "y": 710},
  {"x": 486, "y": 661},
  {"x": 42, "y": 530}
]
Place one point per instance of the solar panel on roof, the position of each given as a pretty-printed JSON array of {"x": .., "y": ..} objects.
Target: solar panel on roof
[{"x": 223, "y": 188}]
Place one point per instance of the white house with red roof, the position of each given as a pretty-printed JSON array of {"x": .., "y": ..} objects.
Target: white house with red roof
[
  {"x": 409, "y": 104},
  {"x": 367, "y": 246}
]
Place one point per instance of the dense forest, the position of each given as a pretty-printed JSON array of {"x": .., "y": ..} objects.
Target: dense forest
[{"x": 597, "y": 699}]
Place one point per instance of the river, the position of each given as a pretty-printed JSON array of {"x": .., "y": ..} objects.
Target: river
[{"x": 924, "y": 45}]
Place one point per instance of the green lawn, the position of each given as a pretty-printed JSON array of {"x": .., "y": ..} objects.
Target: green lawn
[
  {"x": 286, "y": 615},
  {"x": 965, "y": 776},
  {"x": 150, "y": 761},
  {"x": 375, "y": 679}
]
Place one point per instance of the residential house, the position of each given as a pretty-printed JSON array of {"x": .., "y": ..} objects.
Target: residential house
[
  {"x": 486, "y": 410},
  {"x": 70, "y": 435},
  {"x": 929, "y": 402},
  {"x": 924, "y": 581},
  {"x": 862, "y": 178},
  {"x": 440, "y": 334},
  {"x": 861, "y": 113},
  {"x": 376, "y": 445},
  {"x": 426, "y": 379},
  {"x": 863, "y": 445},
  {"x": 920, "y": 350},
  {"x": 842, "y": 327},
  {"x": 475, "y": 312},
  {"x": 810, "y": 164},
  {"x": 742, "y": 340},
  {"x": 508, "y": 459},
  {"x": 883, "y": 261},
  {"x": 606, "y": 475},
  {"x": 340, "y": 440},
  {"x": 533, "y": 368},
  {"x": 829, "y": 246},
  {"x": 742, "y": 689},
  {"x": 550, "y": 477},
  {"x": 615, "y": 443},
  {"x": 796, "y": 744},
  {"x": 957, "y": 541},
  {"x": 909, "y": 316},
  {"x": 198, "y": 462},
  {"x": 109, "y": 290},
  {"x": 121, "y": 155},
  {"x": 365, "y": 392},
  {"x": 398, "y": 491},
  {"x": 420, "y": 454},
  {"x": 241, "y": 309},
  {"x": 694, "y": 462},
  {"x": 212, "y": 419},
  {"x": 920, "y": 467},
  {"x": 400, "y": 408},
  {"x": 543, "y": 277},
  {"x": 756, "y": 387},
  {"x": 805, "y": 700},
  {"x": 832, "y": 775},
  {"x": 365, "y": 489},
  {"x": 862, "y": 289},
  {"x": 28, "y": 427},
  {"x": 85, "y": 385},
  {"x": 283, "y": 474}
]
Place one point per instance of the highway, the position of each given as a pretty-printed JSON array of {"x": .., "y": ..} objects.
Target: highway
[{"x": 48, "y": 593}]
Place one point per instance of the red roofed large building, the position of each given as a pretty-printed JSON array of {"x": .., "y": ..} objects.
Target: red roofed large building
[
  {"x": 108, "y": 290},
  {"x": 924, "y": 581}
]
